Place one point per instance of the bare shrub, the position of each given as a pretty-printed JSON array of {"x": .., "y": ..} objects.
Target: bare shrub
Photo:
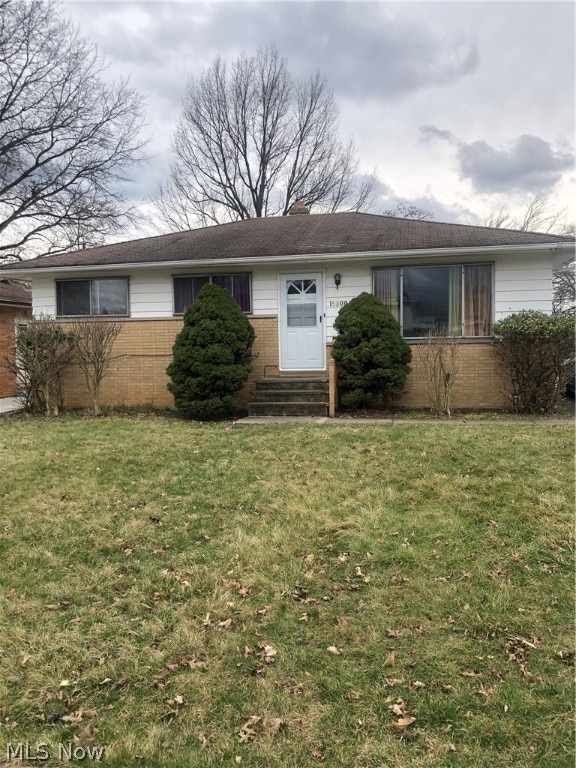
[
  {"x": 43, "y": 351},
  {"x": 93, "y": 345},
  {"x": 439, "y": 356}
]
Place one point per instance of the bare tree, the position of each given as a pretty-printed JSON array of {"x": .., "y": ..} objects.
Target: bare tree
[
  {"x": 565, "y": 289},
  {"x": 93, "y": 346},
  {"x": 67, "y": 137},
  {"x": 251, "y": 140},
  {"x": 539, "y": 214},
  {"x": 406, "y": 210}
]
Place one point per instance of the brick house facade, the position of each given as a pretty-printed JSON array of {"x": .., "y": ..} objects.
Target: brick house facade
[
  {"x": 291, "y": 275},
  {"x": 15, "y": 305}
]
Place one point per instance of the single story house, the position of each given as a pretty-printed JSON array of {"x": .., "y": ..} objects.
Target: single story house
[
  {"x": 291, "y": 275},
  {"x": 15, "y": 305}
]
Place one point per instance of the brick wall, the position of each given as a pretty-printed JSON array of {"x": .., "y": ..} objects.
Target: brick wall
[
  {"x": 8, "y": 317},
  {"x": 478, "y": 384},
  {"x": 144, "y": 349}
]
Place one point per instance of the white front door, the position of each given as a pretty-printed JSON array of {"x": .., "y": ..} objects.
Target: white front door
[{"x": 301, "y": 322}]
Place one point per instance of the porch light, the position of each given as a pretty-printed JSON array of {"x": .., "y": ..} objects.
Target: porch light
[{"x": 337, "y": 279}]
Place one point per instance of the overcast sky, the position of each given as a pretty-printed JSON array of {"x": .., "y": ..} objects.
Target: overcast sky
[{"x": 459, "y": 107}]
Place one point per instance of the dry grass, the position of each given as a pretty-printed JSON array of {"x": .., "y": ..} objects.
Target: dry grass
[{"x": 165, "y": 584}]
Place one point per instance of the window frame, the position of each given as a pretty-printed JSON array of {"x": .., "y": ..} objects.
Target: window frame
[
  {"x": 462, "y": 266},
  {"x": 211, "y": 277},
  {"x": 90, "y": 281}
]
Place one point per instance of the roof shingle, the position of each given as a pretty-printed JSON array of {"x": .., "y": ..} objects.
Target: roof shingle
[
  {"x": 293, "y": 236},
  {"x": 14, "y": 294}
]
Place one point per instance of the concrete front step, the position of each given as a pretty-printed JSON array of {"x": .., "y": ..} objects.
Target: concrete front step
[
  {"x": 292, "y": 383},
  {"x": 287, "y": 409},
  {"x": 290, "y": 396}
]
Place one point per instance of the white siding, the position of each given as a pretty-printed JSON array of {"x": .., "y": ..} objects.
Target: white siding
[
  {"x": 43, "y": 296},
  {"x": 151, "y": 293},
  {"x": 521, "y": 281},
  {"x": 265, "y": 291}
]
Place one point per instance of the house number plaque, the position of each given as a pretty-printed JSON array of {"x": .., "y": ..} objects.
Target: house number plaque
[{"x": 335, "y": 303}]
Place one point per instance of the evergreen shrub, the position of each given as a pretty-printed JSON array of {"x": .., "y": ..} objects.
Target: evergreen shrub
[
  {"x": 371, "y": 355},
  {"x": 211, "y": 356}
]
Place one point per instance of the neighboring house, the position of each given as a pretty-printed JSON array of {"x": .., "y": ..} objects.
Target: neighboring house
[
  {"x": 15, "y": 305},
  {"x": 291, "y": 275}
]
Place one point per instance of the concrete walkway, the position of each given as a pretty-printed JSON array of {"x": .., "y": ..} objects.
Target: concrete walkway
[
  {"x": 338, "y": 421},
  {"x": 9, "y": 405}
]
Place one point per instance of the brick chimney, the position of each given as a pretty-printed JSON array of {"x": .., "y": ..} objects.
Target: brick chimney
[{"x": 298, "y": 206}]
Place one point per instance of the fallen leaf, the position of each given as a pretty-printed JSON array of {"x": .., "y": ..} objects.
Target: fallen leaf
[
  {"x": 353, "y": 696},
  {"x": 24, "y": 657},
  {"x": 275, "y": 725},
  {"x": 226, "y": 624},
  {"x": 333, "y": 650},
  {"x": 469, "y": 673},
  {"x": 292, "y": 687},
  {"x": 268, "y": 654},
  {"x": 195, "y": 664},
  {"x": 84, "y": 736},
  {"x": 403, "y": 723},
  {"x": 74, "y": 718},
  {"x": 390, "y": 660},
  {"x": 246, "y": 732}
]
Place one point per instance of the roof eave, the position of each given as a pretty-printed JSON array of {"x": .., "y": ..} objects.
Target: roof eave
[{"x": 560, "y": 249}]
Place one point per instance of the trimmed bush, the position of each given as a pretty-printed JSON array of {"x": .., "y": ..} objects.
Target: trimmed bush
[
  {"x": 210, "y": 356},
  {"x": 372, "y": 357},
  {"x": 534, "y": 350}
]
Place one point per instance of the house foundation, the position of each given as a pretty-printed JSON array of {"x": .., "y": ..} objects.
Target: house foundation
[{"x": 143, "y": 350}]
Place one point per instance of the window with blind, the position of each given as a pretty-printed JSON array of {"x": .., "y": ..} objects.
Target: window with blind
[
  {"x": 187, "y": 287},
  {"x": 454, "y": 299}
]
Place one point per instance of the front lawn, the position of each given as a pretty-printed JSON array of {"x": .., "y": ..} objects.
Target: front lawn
[{"x": 287, "y": 596}]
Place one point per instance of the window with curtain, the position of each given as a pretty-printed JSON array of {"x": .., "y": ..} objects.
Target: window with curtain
[
  {"x": 102, "y": 296},
  {"x": 186, "y": 289},
  {"x": 457, "y": 299}
]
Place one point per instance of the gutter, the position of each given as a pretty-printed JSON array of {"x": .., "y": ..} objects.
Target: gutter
[{"x": 554, "y": 248}]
